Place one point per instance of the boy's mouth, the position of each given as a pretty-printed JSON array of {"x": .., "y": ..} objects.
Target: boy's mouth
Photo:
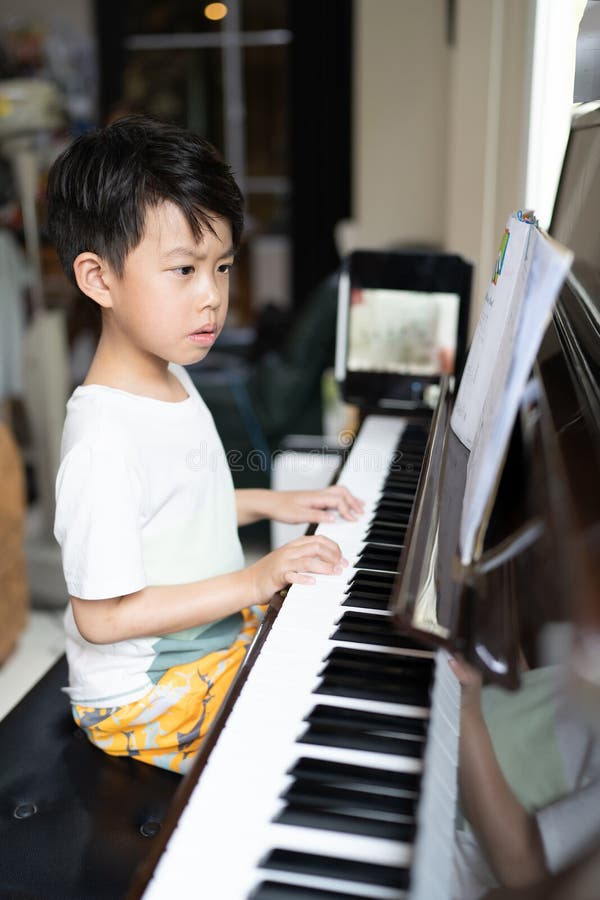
[{"x": 205, "y": 335}]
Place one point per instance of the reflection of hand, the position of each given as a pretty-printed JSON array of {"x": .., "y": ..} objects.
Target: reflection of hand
[
  {"x": 470, "y": 681},
  {"x": 445, "y": 360}
]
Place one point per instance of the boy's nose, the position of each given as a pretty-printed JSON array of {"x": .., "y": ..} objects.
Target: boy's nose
[{"x": 209, "y": 296}]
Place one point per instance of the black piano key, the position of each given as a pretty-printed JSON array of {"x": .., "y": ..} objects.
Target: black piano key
[
  {"x": 343, "y": 686},
  {"x": 378, "y": 551},
  {"x": 295, "y": 813},
  {"x": 388, "y": 662},
  {"x": 326, "y": 771},
  {"x": 384, "y": 538},
  {"x": 376, "y": 564},
  {"x": 404, "y": 500},
  {"x": 279, "y": 890},
  {"x": 406, "y": 466},
  {"x": 398, "y": 525},
  {"x": 333, "y": 867},
  {"x": 362, "y": 588},
  {"x": 394, "y": 522},
  {"x": 389, "y": 510},
  {"x": 383, "y": 626},
  {"x": 393, "y": 526},
  {"x": 406, "y": 455},
  {"x": 400, "y": 494},
  {"x": 361, "y": 719},
  {"x": 348, "y": 739},
  {"x": 409, "y": 461},
  {"x": 363, "y": 578},
  {"x": 388, "y": 524},
  {"x": 386, "y": 562},
  {"x": 350, "y": 801},
  {"x": 402, "y": 490},
  {"x": 408, "y": 474},
  {"x": 362, "y": 601},
  {"x": 347, "y": 631},
  {"x": 395, "y": 544},
  {"x": 412, "y": 669},
  {"x": 396, "y": 532},
  {"x": 403, "y": 485},
  {"x": 416, "y": 432},
  {"x": 370, "y": 628}
]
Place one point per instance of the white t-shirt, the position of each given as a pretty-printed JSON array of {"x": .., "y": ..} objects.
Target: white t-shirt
[{"x": 144, "y": 496}]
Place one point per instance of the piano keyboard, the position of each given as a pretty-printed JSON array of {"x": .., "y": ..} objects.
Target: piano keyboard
[{"x": 311, "y": 789}]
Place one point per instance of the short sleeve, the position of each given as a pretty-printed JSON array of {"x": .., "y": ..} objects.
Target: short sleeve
[
  {"x": 98, "y": 524},
  {"x": 569, "y": 825}
]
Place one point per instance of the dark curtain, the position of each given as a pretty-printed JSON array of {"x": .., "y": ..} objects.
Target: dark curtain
[
  {"x": 320, "y": 139},
  {"x": 111, "y": 30}
]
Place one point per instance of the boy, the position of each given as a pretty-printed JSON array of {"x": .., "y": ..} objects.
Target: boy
[{"x": 146, "y": 219}]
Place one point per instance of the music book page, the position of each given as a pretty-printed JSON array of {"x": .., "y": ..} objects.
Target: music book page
[
  {"x": 536, "y": 283},
  {"x": 494, "y": 329}
]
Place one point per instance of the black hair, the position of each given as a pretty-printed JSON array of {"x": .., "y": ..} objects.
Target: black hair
[{"x": 100, "y": 187}]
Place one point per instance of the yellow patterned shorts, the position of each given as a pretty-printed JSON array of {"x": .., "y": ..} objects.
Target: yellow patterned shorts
[{"x": 168, "y": 724}]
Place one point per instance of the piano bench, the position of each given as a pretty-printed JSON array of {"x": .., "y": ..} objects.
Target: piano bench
[{"x": 74, "y": 822}]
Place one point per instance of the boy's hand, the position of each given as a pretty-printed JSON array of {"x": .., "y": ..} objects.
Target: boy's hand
[
  {"x": 315, "y": 506},
  {"x": 290, "y": 563}
]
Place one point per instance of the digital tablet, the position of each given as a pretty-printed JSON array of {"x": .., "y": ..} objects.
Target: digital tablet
[{"x": 402, "y": 323}]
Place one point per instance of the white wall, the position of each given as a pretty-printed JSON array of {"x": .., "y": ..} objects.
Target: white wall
[
  {"x": 440, "y": 131},
  {"x": 401, "y": 65},
  {"x": 489, "y": 95}
]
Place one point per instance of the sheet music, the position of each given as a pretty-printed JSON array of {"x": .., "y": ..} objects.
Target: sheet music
[
  {"x": 494, "y": 331},
  {"x": 536, "y": 286}
]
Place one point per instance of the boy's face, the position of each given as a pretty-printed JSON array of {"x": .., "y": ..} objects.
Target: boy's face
[{"x": 171, "y": 301}]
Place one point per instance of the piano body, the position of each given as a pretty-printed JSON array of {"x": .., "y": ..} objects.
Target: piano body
[{"x": 331, "y": 771}]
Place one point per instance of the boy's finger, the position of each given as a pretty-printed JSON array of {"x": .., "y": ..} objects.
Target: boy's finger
[
  {"x": 299, "y": 578},
  {"x": 318, "y": 566},
  {"x": 319, "y": 540},
  {"x": 318, "y": 516},
  {"x": 316, "y": 550},
  {"x": 354, "y": 502}
]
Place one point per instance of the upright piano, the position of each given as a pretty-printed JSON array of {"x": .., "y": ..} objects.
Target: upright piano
[{"x": 331, "y": 770}]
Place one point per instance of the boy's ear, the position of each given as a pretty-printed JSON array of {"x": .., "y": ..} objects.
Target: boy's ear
[{"x": 91, "y": 272}]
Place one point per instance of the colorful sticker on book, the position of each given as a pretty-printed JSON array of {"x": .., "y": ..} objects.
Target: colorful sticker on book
[{"x": 501, "y": 255}]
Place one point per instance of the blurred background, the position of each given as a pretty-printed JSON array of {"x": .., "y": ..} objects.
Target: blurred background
[{"x": 348, "y": 123}]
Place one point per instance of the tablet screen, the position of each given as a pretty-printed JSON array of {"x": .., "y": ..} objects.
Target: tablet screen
[{"x": 406, "y": 332}]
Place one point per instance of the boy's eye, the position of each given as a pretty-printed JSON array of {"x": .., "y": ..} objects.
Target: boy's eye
[
  {"x": 224, "y": 268},
  {"x": 184, "y": 270}
]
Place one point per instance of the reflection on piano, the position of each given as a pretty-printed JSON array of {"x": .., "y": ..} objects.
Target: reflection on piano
[{"x": 331, "y": 770}]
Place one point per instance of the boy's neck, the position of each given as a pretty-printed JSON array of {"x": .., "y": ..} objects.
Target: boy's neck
[{"x": 145, "y": 375}]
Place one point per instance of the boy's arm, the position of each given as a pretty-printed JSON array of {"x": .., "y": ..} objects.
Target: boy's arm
[
  {"x": 157, "y": 610},
  {"x": 296, "y": 506},
  {"x": 508, "y": 834}
]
